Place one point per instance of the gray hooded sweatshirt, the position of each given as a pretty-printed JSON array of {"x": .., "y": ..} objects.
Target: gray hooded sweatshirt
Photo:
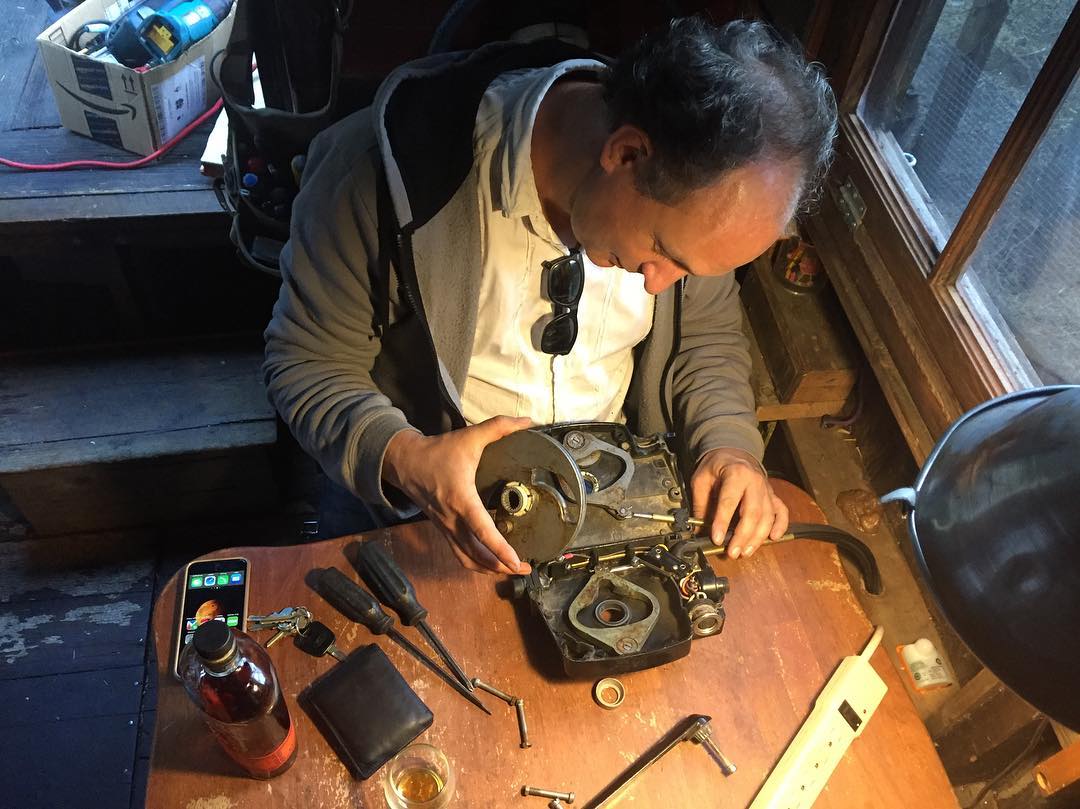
[{"x": 373, "y": 331}]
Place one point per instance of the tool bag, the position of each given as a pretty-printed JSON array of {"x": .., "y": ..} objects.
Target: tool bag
[{"x": 297, "y": 48}]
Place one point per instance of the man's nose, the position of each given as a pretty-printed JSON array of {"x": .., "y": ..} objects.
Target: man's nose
[{"x": 659, "y": 277}]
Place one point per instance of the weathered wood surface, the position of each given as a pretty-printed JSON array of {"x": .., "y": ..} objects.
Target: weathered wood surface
[
  {"x": 803, "y": 337},
  {"x": 22, "y": 77},
  {"x": 767, "y": 402},
  {"x": 176, "y": 171},
  {"x": 74, "y": 616},
  {"x": 92, "y": 441},
  {"x": 69, "y": 409},
  {"x": 791, "y": 618},
  {"x": 174, "y": 488}
]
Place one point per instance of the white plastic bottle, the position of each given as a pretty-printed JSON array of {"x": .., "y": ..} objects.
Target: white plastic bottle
[{"x": 925, "y": 665}]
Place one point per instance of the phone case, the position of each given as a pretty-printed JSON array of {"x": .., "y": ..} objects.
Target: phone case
[{"x": 181, "y": 589}]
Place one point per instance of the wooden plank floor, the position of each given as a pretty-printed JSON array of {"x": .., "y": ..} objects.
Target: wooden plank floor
[{"x": 76, "y": 682}]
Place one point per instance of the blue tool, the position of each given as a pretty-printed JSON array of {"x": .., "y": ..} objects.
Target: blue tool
[
  {"x": 124, "y": 39},
  {"x": 173, "y": 28}
]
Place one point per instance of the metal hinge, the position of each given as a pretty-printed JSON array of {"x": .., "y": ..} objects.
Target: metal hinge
[{"x": 851, "y": 204}]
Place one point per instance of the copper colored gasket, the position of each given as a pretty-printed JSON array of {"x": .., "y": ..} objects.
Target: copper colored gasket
[{"x": 609, "y": 684}]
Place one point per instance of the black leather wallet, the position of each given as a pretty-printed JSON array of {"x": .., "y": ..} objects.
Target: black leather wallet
[{"x": 366, "y": 710}]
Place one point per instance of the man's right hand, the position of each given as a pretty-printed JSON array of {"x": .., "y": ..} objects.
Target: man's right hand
[{"x": 438, "y": 473}]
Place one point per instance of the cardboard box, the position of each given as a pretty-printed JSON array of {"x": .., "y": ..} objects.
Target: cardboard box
[{"x": 121, "y": 106}]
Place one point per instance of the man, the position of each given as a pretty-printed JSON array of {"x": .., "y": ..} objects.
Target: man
[{"x": 489, "y": 190}]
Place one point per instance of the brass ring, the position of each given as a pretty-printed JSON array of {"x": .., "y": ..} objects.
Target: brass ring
[{"x": 605, "y": 685}]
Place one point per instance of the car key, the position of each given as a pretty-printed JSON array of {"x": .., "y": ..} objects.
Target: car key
[{"x": 317, "y": 639}]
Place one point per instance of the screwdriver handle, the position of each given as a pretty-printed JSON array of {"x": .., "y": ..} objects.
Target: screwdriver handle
[
  {"x": 387, "y": 581},
  {"x": 352, "y": 601}
]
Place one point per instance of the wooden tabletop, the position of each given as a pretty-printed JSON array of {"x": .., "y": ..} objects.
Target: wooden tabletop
[{"x": 791, "y": 618}]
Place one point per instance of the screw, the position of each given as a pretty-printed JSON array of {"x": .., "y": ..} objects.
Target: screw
[
  {"x": 625, "y": 645},
  {"x": 547, "y": 793},
  {"x": 519, "y": 705},
  {"x": 666, "y": 482},
  {"x": 704, "y": 738},
  {"x": 495, "y": 692},
  {"x": 574, "y": 440},
  {"x": 675, "y": 493}
]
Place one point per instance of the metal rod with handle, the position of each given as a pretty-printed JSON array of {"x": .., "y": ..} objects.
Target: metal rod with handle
[{"x": 694, "y": 728}]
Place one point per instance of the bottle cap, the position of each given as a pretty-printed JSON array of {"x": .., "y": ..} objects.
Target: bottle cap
[{"x": 214, "y": 641}]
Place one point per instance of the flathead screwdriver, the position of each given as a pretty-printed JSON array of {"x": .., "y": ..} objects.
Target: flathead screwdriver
[
  {"x": 390, "y": 585},
  {"x": 356, "y": 604}
]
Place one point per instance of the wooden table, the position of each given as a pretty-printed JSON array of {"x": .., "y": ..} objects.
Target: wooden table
[{"x": 791, "y": 618}]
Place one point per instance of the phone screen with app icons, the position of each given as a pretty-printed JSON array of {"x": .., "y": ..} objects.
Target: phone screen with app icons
[{"x": 214, "y": 590}]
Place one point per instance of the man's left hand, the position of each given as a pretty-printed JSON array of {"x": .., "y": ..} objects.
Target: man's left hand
[{"x": 730, "y": 481}]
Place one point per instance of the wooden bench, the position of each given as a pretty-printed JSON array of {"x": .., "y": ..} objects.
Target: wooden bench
[{"x": 135, "y": 435}]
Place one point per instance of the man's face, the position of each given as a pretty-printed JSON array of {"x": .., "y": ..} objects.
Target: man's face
[{"x": 709, "y": 232}]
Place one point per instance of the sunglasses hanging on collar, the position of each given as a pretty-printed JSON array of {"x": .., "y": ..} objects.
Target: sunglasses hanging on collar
[{"x": 565, "y": 279}]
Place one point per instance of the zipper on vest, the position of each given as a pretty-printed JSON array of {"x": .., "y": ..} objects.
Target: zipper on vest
[{"x": 676, "y": 340}]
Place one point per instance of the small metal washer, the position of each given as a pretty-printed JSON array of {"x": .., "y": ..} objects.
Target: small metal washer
[{"x": 609, "y": 683}]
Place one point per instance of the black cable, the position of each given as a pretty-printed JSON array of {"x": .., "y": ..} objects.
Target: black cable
[
  {"x": 73, "y": 44},
  {"x": 993, "y": 782},
  {"x": 852, "y": 548}
]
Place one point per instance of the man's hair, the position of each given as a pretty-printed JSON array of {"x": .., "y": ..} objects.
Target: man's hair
[{"x": 715, "y": 98}]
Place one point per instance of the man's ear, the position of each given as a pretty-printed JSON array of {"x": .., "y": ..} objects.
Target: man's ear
[{"x": 624, "y": 147}]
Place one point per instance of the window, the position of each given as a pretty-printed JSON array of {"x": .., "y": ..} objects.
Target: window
[
  {"x": 954, "y": 205},
  {"x": 940, "y": 108},
  {"x": 1026, "y": 268}
]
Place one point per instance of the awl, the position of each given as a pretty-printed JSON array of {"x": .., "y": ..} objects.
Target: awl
[
  {"x": 356, "y": 604},
  {"x": 389, "y": 584}
]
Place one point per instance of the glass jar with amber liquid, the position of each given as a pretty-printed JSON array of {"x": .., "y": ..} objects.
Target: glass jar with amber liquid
[
  {"x": 230, "y": 677},
  {"x": 419, "y": 777}
]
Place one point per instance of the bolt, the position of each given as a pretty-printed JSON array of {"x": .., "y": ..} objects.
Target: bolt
[
  {"x": 675, "y": 493},
  {"x": 704, "y": 738},
  {"x": 495, "y": 692},
  {"x": 504, "y": 526},
  {"x": 574, "y": 439},
  {"x": 625, "y": 645},
  {"x": 547, "y": 793},
  {"x": 519, "y": 705}
]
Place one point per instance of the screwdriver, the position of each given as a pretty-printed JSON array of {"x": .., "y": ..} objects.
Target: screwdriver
[
  {"x": 387, "y": 581},
  {"x": 356, "y": 604}
]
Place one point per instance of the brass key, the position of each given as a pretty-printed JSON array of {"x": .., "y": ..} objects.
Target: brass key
[{"x": 288, "y": 621}]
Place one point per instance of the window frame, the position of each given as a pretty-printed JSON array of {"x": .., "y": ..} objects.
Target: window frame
[{"x": 934, "y": 353}]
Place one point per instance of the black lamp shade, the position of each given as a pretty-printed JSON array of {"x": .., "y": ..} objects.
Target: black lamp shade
[{"x": 995, "y": 523}]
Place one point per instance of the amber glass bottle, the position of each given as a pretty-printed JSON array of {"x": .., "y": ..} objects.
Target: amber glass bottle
[{"x": 229, "y": 676}]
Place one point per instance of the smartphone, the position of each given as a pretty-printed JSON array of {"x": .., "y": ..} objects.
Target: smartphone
[{"x": 213, "y": 590}]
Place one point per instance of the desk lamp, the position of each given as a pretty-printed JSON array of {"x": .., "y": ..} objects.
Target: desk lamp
[{"x": 994, "y": 518}]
